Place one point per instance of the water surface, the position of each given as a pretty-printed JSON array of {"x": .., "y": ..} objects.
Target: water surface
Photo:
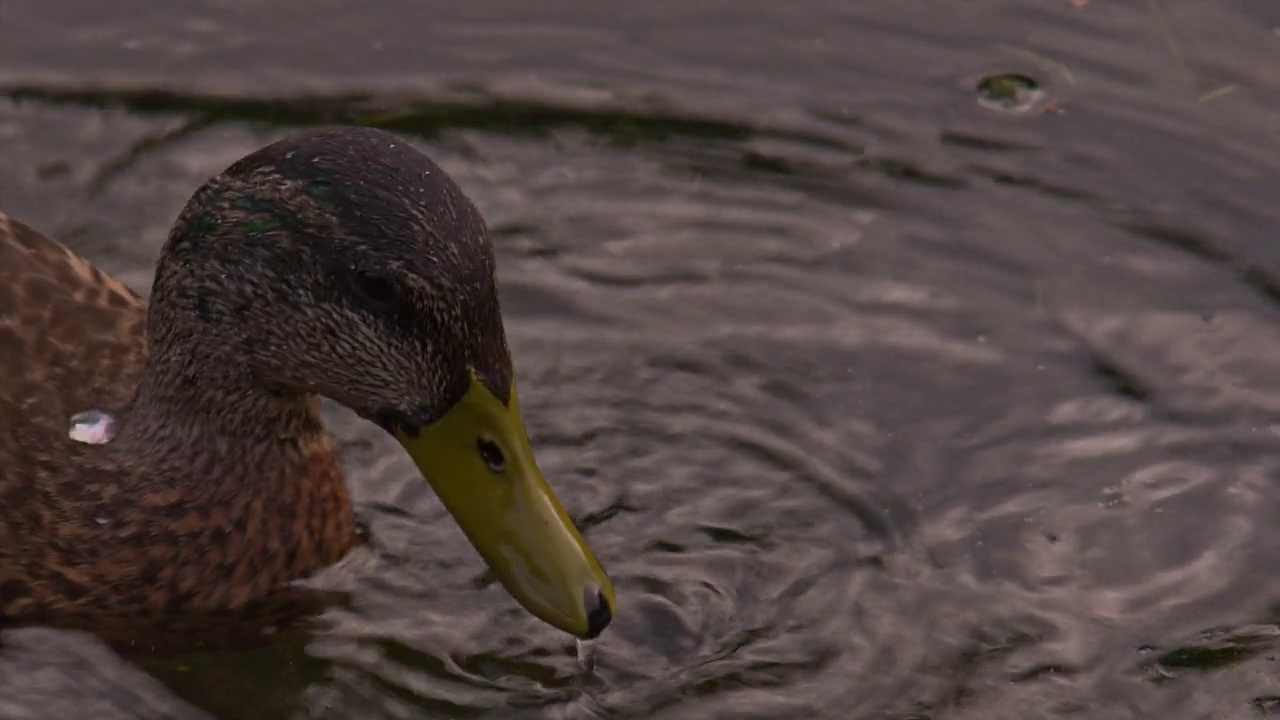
[{"x": 875, "y": 401}]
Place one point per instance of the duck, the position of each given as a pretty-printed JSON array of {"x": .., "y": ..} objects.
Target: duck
[{"x": 168, "y": 455}]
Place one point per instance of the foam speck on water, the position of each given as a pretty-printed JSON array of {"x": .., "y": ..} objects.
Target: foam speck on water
[{"x": 92, "y": 427}]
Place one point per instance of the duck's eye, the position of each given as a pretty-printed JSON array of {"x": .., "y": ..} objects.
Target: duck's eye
[
  {"x": 491, "y": 454},
  {"x": 377, "y": 289}
]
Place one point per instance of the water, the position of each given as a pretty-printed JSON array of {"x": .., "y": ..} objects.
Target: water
[
  {"x": 92, "y": 427},
  {"x": 875, "y": 402},
  {"x": 586, "y": 655}
]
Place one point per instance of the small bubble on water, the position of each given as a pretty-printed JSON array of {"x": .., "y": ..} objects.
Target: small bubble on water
[
  {"x": 587, "y": 655},
  {"x": 93, "y": 427},
  {"x": 1009, "y": 92},
  {"x": 101, "y": 519}
]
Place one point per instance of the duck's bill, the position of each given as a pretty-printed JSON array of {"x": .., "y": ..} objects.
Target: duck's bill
[{"x": 478, "y": 460}]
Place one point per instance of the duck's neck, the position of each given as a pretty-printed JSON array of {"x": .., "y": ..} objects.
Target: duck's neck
[
  {"x": 219, "y": 401},
  {"x": 198, "y": 410},
  {"x": 253, "y": 471}
]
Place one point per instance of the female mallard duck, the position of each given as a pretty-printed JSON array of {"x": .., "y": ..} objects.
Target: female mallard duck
[{"x": 339, "y": 263}]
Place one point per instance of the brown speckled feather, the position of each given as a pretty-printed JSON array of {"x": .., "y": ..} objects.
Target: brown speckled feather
[
  {"x": 82, "y": 533},
  {"x": 70, "y": 335}
]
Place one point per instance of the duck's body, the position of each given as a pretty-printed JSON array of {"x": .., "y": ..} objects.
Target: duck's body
[
  {"x": 338, "y": 263},
  {"x": 122, "y": 528}
]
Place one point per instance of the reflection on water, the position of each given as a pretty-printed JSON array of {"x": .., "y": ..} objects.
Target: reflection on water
[{"x": 874, "y": 402}]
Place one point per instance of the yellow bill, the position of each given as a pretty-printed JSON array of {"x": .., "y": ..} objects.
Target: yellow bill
[{"x": 478, "y": 460}]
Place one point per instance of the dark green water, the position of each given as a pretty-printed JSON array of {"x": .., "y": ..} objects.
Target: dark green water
[{"x": 876, "y": 402}]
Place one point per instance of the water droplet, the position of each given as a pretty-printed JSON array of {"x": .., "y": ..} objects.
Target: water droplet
[
  {"x": 587, "y": 655},
  {"x": 101, "y": 519},
  {"x": 93, "y": 427}
]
